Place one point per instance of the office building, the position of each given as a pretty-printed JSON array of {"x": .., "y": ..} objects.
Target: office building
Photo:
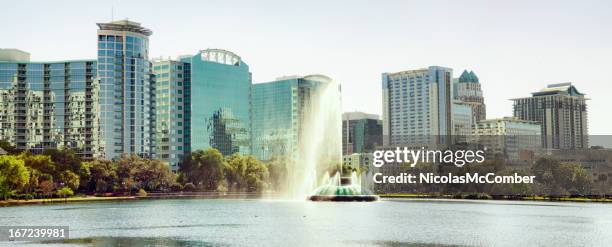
[
  {"x": 221, "y": 103},
  {"x": 417, "y": 107},
  {"x": 46, "y": 105},
  {"x": 515, "y": 139},
  {"x": 127, "y": 89},
  {"x": 462, "y": 121},
  {"x": 281, "y": 110},
  {"x": 467, "y": 90},
  {"x": 173, "y": 110},
  {"x": 561, "y": 111},
  {"x": 361, "y": 132}
]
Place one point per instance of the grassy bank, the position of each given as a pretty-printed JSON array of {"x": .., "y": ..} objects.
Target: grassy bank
[
  {"x": 149, "y": 196},
  {"x": 63, "y": 200},
  {"x": 524, "y": 198}
]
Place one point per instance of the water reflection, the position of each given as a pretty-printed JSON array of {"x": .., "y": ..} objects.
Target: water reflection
[
  {"x": 386, "y": 223},
  {"x": 131, "y": 241}
]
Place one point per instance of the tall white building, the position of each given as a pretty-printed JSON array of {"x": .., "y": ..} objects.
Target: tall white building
[
  {"x": 127, "y": 89},
  {"x": 417, "y": 107}
]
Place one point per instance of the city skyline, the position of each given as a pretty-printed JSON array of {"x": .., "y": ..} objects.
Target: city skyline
[{"x": 549, "y": 50}]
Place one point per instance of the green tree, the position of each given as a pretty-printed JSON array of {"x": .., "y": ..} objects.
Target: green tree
[
  {"x": 256, "y": 174},
  {"x": 204, "y": 168},
  {"x": 545, "y": 170},
  {"x": 245, "y": 173},
  {"x": 561, "y": 179},
  {"x": 235, "y": 172},
  {"x": 65, "y": 159},
  {"x": 160, "y": 175},
  {"x": 576, "y": 179},
  {"x": 34, "y": 180},
  {"x": 126, "y": 164},
  {"x": 13, "y": 175},
  {"x": 103, "y": 175},
  {"x": 136, "y": 172},
  {"x": 42, "y": 163},
  {"x": 69, "y": 179}
]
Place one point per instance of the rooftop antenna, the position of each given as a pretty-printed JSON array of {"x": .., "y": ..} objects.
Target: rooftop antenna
[{"x": 112, "y": 13}]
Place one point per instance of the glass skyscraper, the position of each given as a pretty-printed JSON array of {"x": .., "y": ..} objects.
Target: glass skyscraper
[
  {"x": 49, "y": 104},
  {"x": 127, "y": 89},
  {"x": 173, "y": 85},
  {"x": 279, "y": 108},
  {"x": 221, "y": 101},
  {"x": 275, "y": 119},
  {"x": 463, "y": 121},
  {"x": 361, "y": 132}
]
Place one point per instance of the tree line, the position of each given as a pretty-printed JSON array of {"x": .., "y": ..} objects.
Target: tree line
[{"x": 62, "y": 173}]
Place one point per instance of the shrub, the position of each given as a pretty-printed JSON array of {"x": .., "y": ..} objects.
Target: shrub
[
  {"x": 176, "y": 187},
  {"x": 189, "y": 187},
  {"x": 142, "y": 192},
  {"x": 65, "y": 192}
]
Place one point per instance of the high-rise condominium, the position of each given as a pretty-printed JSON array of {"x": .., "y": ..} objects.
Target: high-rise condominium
[
  {"x": 127, "y": 89},
  {"x": 561, "y": 111},
  {"x": 417, "y": 107},
  {"x": 48, "y": 104},
  {"x": 173, "y": 85},
  {"x": 467, "y": 90},
  {"x": 361, "y": 132},
  {"x": 221, "y": 102}
]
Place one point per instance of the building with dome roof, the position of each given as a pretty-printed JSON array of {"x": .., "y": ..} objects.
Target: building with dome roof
[{"x": 467, "y": 90}]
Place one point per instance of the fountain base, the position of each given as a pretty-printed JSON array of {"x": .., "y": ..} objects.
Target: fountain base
[
  {"x": 342, "y": 189},
  {"x": 343, "y": 198}
]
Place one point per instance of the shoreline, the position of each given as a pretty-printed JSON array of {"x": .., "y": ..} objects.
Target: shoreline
[
  {"x": 525, "y": 198},
  {"x": 216, "y": 195},
  {"x": 9, "y": 203},
  {"x": 151, "y": 196}
]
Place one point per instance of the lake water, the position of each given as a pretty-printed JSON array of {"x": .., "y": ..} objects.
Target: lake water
[{"x": 393, "y": 223}]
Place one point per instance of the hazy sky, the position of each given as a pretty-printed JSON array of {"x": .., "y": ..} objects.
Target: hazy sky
[{"x": 515, "y": 47}]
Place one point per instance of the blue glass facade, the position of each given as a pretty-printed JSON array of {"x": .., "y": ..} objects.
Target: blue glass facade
[
  {"x": 127, "y": 89},
  {"x": 50, "y": 105},
  {"x": 275, "y": 119},
  {"x": 221, "y": 102},
  {"x": 361, "y": 132},
  {"x": 279, "y": 109}
]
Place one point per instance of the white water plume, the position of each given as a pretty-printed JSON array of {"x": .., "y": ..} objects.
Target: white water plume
[{"x": 320, "y": 137}]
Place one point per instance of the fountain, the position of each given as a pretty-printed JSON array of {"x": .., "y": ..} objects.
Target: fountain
[
  {"x": 341, "y": 189},
  {"x": 319, "y": 152}
]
